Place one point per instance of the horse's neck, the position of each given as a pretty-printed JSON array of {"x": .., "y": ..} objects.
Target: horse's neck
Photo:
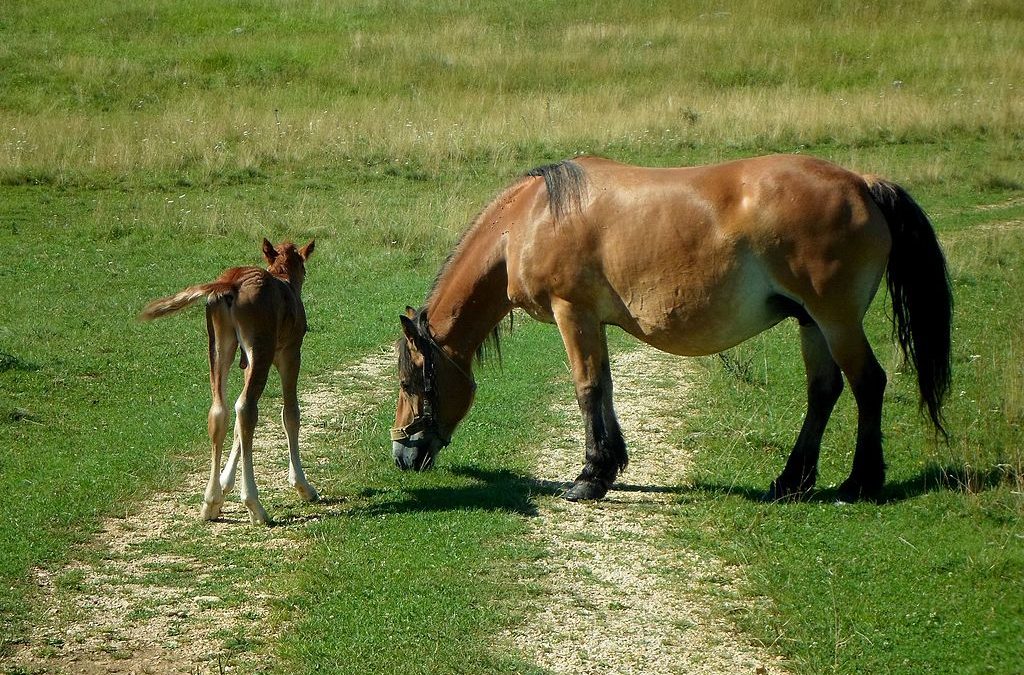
[
  {"x": 294, "y": 284},
  {"x": 471, "y": 295}
]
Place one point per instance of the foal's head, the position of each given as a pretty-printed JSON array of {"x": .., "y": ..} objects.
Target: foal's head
[
  {"x": 435, "y": 395},
  {"x": 287, "y": 262}
]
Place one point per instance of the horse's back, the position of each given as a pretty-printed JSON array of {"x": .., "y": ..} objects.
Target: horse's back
[
  {"x": 696, "y": 259},
  {"x": 265, "y": 307}
]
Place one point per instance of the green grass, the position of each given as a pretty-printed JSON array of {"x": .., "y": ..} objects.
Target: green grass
[{"x": 146, "y": 148}]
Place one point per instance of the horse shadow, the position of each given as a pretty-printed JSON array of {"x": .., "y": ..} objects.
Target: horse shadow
[
  {"x": 491, "y": 490},
  {"x": 932, "y": 478},
  {"x": 517, "y": 493}
]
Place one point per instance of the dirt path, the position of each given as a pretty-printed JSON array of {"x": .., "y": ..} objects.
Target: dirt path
[
  {"x": 619, "y": 598},
  {"x": 159, "y": 591}
]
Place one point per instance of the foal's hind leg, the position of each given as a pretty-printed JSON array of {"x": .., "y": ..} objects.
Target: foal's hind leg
[
  {"x": 288, "y": 367},
  {"x": 852, "y": 352},
  {"x": 223, "y": 344},
  {"x": 227, "y": 474},
  {"x": 824, "y": 384},
  {"x": 587, "y": 349},
  {"x": 246, "y": 414}
]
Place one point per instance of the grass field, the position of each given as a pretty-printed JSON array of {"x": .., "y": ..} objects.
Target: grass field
[{"x": 143, "y": 148}]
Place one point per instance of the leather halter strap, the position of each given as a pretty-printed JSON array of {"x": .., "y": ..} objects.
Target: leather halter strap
[{"x": 425, "y": 419}]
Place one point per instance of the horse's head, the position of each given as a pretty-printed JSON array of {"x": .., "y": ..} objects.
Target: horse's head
[
  {"x": 288, "y": 262},
  {"x": 435, "y": 394}
]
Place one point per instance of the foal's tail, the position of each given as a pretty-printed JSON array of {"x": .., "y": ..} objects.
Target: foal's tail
[
  {"x": 922, "y": 300},
  {"x": 213, "y": 291}
]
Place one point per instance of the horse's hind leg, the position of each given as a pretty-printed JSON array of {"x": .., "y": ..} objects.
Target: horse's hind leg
[
  {"x": 223, "y": 344},
  {"x": 851, "y": 351},
  {"x": 246, "y": 414},
  {"x": 824, "y": 384},
  {"x": 288, "y": 367},
  {"x": 587, "y": 349}
]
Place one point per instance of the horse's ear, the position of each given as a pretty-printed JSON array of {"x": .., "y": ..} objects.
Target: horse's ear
[
  {"x": 410, "y": 312},
  {"x": 409, "y": 328},
  {"x": 307, "y": 250},
  {"x": 269, "y": 252}
]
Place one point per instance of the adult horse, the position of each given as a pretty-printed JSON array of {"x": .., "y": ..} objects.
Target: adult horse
[{"x": 691, "y": 261}]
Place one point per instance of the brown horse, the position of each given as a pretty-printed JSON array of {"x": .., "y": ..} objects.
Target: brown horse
[
  {"x": 692, "y": 261},
  {"x": 262, "y": 311}
]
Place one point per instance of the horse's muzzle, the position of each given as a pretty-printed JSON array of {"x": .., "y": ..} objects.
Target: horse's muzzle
[{"x": 415, "y": 453}]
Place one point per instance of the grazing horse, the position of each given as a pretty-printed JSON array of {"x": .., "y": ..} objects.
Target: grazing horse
[
  {"x": 691, "y": 261},
  {"x": 262, "y": 311}
]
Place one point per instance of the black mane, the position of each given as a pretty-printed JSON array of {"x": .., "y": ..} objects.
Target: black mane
[{"x": 566, "y": 182}]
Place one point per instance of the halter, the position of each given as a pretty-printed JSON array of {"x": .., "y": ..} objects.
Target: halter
[{"x": 425, "y": 420}]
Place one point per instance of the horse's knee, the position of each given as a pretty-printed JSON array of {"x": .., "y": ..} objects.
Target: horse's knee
[{"x": 869, "y": 385}]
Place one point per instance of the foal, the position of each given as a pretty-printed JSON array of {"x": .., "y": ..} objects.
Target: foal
[{"x": 262, "y": 311}]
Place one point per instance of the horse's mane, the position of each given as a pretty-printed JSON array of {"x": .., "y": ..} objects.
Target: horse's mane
[{"x": 566, "y": 182}]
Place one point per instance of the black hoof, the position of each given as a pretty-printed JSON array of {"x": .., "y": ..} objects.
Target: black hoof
[
  {"x": 780, "y": 491},
  {"x": 586, "y": 490},
  {"x": 854, "y": 490}
]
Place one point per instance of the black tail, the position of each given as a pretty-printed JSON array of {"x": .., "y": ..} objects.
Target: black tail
[{"x": 922, "y": 300}]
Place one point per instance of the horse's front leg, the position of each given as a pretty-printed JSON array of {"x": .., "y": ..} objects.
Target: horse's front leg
[{"x": 587, "y": 349}]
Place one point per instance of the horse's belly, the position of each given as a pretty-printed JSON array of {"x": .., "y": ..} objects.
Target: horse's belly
[
  {"x": 696, "y": 322},
  {"x": 704, "y": 333}
]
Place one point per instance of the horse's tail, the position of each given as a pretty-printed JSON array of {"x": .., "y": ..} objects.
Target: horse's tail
[
  {"x": 213, "y": 292},
  {"x": 922, "y": 300}
]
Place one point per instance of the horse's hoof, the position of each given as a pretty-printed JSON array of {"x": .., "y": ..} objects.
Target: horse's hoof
[
  {"x": 777, "y": 492},
  {"x": 852, "y": 490},
  {"x": 586, "y": 490}
]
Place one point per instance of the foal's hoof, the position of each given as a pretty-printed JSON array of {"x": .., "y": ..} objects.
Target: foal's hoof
[
  {"x": 210, "y": 510},
  {"x": 257, "y": 515},
  {"x": 307, "y": 492},
  {"x": 586, "y": 490}
]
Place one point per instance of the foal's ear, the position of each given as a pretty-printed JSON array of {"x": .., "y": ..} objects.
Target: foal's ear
[
  {"x": 307, "y": 250},
  {"x": 269, "y": 252}
]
